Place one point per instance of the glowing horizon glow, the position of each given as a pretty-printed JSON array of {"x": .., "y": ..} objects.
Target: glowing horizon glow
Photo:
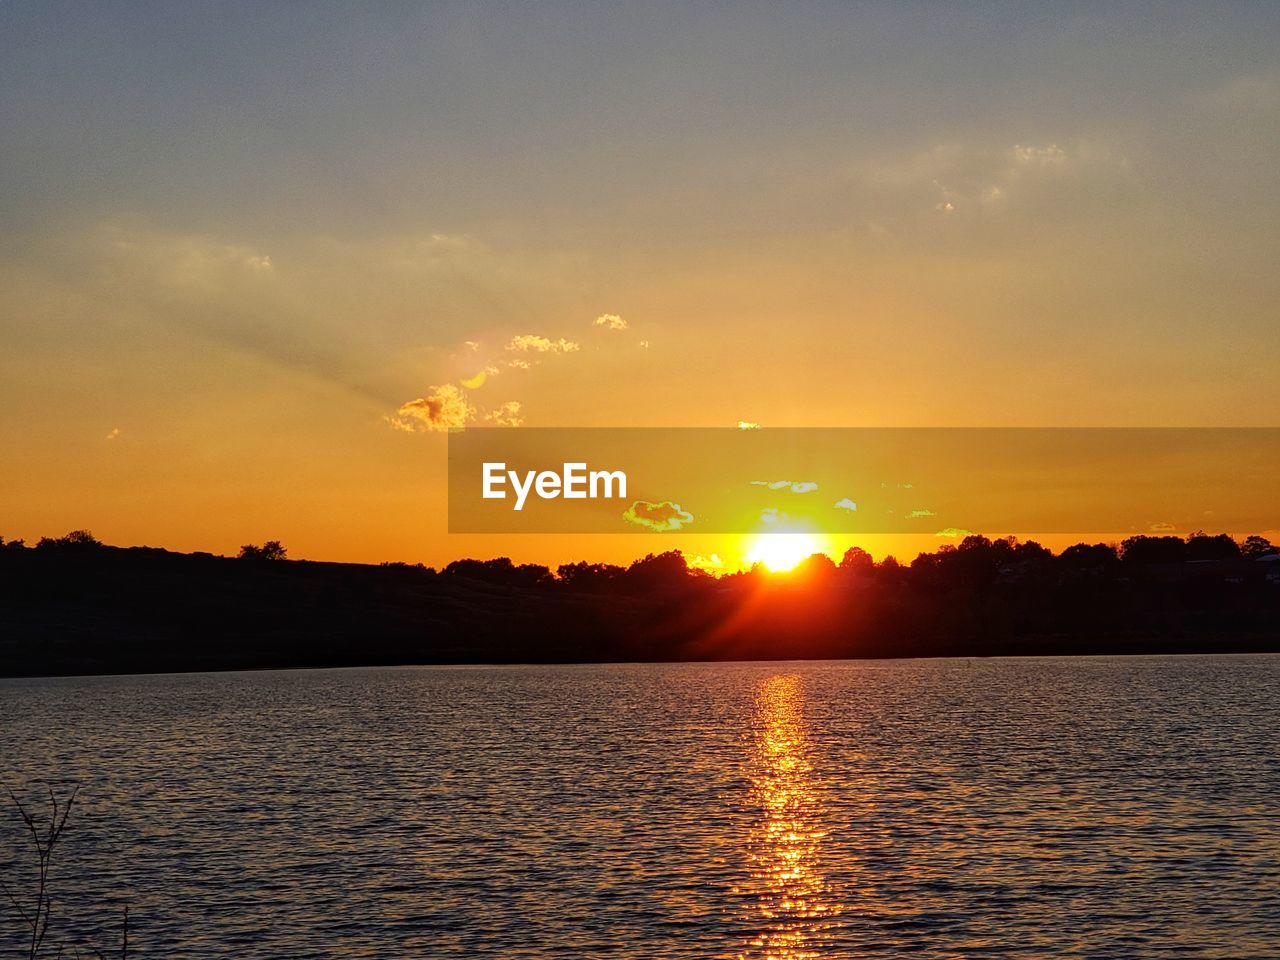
[{"x": 781, "y": 552}]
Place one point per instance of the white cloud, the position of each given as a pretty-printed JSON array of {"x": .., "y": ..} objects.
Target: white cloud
[
  {"x": 846, "y": 504},
  {"x": 963, "y": 179},
  {"x": 1049, "y": 154},
  {"x": 611, "y": 321},
  {"x": 508, "y": 414},
  {"x": 531, "y": 343},
  {"x": 664, "y": 516},
  {"x": 699, "y": 562},
  {"x": 801, "y": 486},
  {"x": 478, "y": 381}
]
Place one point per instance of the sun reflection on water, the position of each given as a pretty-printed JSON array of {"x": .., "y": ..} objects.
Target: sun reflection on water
[{"x": 791, "y": 895}]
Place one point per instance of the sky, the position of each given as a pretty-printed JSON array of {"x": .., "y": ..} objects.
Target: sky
[{"x": 250, "y": 254}]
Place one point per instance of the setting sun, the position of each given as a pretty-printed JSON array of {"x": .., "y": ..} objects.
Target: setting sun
[{"x": 780, "y": 552}]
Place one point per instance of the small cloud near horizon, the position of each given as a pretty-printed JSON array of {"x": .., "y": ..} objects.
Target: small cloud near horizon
[
  {"x": 508, "y": 414},
  {"x": 532, "y": 343},
  {"x": 846, "y": 504},
  {"x": 478, "y": 381},
  {"x": 709, "y": 564},
  {"x": 662, "y": 516},
  {"x": 611, "y": 321},
  {"x": 800, "y": 486},
  {"x": 444, "y": 409}
]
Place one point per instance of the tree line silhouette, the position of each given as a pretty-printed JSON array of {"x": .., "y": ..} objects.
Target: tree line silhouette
[{"x": 73, "y": 604}]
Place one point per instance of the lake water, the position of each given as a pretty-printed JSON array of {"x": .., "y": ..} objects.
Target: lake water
[{"x": 1094, "y": 807}]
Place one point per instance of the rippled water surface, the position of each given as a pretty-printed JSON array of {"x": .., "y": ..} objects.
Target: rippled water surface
[{"x": 988, "y": 808}]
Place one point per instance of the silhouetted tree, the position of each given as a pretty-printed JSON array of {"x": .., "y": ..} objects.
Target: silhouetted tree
[
  {"x": 1089, "y": 556},
  {"x": 1201, "y": 546},
  {"x": 817, "y": 567},
  {"x": 588, "y": 576},
  {"x": 270, "y": 550},
  {"x": 75, "y": 540},
  {"x": 890, "y": 572},
  {"x": 1254, "y": 546},
  {"x": 656, "y": 571},
  {"x": 1031, "y": 551},
  {"x": 857, "y": 561},
  {"x": 500, "y": 570},
  {"x": 1143, "y": 550}
]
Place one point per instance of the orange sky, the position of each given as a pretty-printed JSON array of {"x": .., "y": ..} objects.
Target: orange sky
[{"x": 231, "y": 254}]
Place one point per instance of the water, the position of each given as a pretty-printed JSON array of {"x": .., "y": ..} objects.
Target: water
[{"x": 1101, "y": 807}]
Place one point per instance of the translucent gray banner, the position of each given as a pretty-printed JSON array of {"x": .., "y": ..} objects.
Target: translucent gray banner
[{"x": 864, "y": 480}]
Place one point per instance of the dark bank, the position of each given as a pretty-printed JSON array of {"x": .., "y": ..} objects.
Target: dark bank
[{"x": 72, "y": 605}]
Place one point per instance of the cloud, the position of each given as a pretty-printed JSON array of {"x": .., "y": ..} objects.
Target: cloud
[
  {"x": 954, "y": 533},
  {"x": 1162, "y": 528},
  {"x": 846, "y": 504},
  {"x": 531, "y": 343},
  {"x": 518, "y": 364},
  {"x": 644, "y": 344},
  {"x": 801, "y": 486},
  {"x": 506, "y": 415},
  {"x": 476, "y": 382},
  {"x": 1048, "y": 154},
  {"x": 611, "y": 321},
  {"x": 662, "y": 516},
  {"x": 445, "y": 408},
  {"x": 916, "y": 514},
  {"x": 973, "y": 179},
  {"x": 699, "y": 562},
  {"x": 113, "y": 433},
  {"x": 1255, "y": 91},
  {"x": 748, "y": 425}
]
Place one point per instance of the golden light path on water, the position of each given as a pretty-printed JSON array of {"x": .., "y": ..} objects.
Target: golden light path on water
[{"x": 791, "y": 896}]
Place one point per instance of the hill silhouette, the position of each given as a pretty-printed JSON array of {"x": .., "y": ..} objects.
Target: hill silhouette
[{"x": 74, "y": 605}]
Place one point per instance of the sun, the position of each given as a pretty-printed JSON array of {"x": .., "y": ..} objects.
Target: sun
[{"x": 780, "y": 552}]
